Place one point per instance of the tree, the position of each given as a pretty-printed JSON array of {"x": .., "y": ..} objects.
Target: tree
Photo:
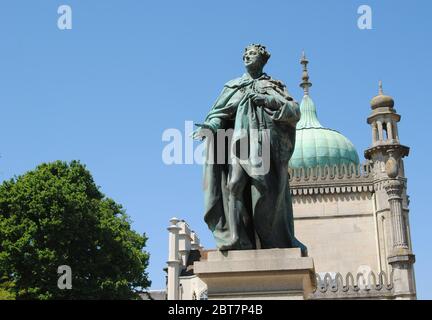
[
  {"x": 56, "y": 215},
  {"x": 6, "y": 290}
]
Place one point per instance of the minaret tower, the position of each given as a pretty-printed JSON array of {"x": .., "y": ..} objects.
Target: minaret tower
[{"x": 386, "y": 155}]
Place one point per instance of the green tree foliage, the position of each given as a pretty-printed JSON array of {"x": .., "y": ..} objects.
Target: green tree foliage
[
  {"x": 56, "y": 215},
  {"x": 6, "y": 290}
]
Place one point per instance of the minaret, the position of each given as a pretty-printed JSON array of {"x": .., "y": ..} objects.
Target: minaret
[
  {"x": 384, "y": 120},
  {"x": 385, "y": 135},
  {"x": 386, "y": 155}
]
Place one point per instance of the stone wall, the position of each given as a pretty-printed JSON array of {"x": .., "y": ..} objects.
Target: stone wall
[
  {"x": 339, "y": 230},
  {"x": 335, "y": 217}
]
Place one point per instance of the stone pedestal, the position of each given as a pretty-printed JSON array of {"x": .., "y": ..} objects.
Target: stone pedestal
[{"x": 257, "y": 274}]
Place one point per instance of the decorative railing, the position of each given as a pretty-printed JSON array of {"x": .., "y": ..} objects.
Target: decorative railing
[
  {"x": 336, "y": 172},
  {"x": 331, "y": 179},
  {"x": 360, "y": 286}
]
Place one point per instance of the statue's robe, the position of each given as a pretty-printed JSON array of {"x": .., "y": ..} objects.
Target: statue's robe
[{"x": 266, "y": 202}]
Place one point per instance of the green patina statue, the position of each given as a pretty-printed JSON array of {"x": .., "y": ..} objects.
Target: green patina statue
[{"x": 247, "y": 208}]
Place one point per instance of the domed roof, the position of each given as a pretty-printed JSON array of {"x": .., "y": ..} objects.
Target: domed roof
[
  {"x": 319, "y": 146},
  {"x": 381, "y": 100}
]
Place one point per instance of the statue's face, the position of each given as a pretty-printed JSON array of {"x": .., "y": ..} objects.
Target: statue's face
[{"x": 252, "y": 58}]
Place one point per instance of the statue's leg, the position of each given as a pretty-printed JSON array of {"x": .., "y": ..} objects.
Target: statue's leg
[{"x": 236, "y": 186}]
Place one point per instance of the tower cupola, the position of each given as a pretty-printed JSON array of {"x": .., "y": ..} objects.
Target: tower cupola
[{"x": 384, "y": 122}]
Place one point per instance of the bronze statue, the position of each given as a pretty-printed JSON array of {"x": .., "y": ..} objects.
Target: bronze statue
[{"x": 247, "y": 208}]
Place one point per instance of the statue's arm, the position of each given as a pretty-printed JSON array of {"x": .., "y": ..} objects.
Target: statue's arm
[
  {"x": 285, "y": 108},
  {"x": 289, "y": 113},
  {"x": 222, "y": 110}
]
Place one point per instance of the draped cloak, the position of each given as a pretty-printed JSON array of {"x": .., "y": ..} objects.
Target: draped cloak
[{"x": 267, "y": 215}]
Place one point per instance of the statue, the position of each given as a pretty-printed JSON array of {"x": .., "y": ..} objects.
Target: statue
[{"x": 245, "y": 208}]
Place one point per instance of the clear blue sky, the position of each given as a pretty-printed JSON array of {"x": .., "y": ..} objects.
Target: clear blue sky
[{"x": 105, "y": 91}]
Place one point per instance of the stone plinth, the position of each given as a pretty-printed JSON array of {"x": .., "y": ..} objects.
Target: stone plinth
[{"x": 257, "y": 274}]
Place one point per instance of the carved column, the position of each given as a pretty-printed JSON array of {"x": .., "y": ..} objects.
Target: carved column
[
  {"x": 380, "y": 130},
  {"x": 401, "y": 259},
  {"x": 173, "y": 261},
  {"x": 394, "y": 189},
  {"x": 374, "y": 133},
  {"x": 390, "y": 131},
  {"x": 184, "y": 245},
  {"x": 396, "y": 133}
]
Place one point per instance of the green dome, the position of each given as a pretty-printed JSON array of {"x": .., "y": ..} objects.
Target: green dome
[{"x": 319, "y": 146}]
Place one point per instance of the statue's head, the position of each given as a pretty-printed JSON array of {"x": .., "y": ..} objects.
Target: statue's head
[{"x": 255, "y": 56}]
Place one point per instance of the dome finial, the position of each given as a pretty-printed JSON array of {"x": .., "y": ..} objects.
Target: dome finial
[
  {"x": 381, "y": 92},
  {"x": 305, "y": 77}
]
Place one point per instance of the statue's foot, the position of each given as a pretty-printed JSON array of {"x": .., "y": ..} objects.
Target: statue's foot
[
  {"x": 303, "y": 248},
  {"x": 232, "y": 245},
  {"x": 225, "y": 248}
]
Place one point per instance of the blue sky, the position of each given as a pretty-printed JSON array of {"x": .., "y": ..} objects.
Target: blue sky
[{"x": 105, "y": 91}]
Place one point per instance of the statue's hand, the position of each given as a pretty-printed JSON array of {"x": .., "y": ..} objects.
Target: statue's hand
[
  {"x": 266, "y": 101},
  {"x": 259, "y": 100},
  {"x": 198, "y": 134},
  {"x": 202, "y": 132}
]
